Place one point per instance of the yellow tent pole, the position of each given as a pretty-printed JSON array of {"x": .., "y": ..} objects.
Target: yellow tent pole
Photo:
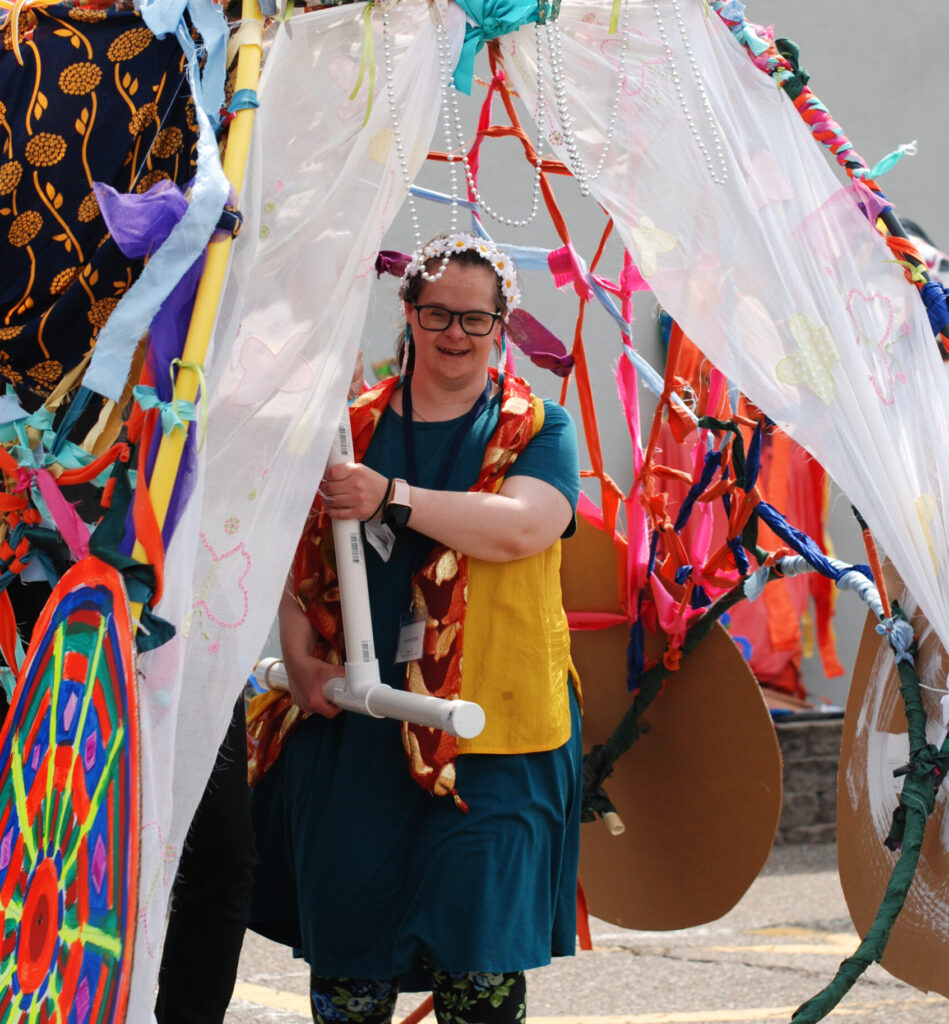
[{"x": 206, "y": 301}]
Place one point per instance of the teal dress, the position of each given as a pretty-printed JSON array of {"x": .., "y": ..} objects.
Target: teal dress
[{"x": 362, "y": 869}]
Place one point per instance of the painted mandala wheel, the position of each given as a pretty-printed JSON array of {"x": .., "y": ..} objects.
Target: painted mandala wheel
[{"x": 69, "y": 810}]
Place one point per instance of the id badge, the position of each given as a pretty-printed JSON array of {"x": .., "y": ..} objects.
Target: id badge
[
  {"x": 411, "y": 636},
  {"x": 381, "y": 537}
]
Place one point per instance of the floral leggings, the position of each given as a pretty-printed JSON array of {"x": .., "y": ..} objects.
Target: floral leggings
[{"x": 460, "y": 998}]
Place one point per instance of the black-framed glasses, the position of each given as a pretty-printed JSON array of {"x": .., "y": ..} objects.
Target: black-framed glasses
[{"x": 473, "y": 321}]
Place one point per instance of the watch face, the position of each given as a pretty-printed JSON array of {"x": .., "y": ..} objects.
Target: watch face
[{"x": 397, "y": 516}]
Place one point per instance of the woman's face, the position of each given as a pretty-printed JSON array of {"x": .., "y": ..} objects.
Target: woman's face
[{"x": 450, "y": 358}]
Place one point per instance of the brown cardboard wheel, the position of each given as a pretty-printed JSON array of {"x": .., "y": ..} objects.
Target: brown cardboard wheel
[
  {"x": 874, "y": 743},
  {"x": 699, "y": 794}
]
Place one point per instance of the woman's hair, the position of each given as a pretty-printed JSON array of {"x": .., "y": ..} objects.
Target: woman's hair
[{"x": 411, "y": 288}]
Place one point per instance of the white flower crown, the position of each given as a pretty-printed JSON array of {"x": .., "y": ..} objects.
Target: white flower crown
[{"x": 499, "y": 261}]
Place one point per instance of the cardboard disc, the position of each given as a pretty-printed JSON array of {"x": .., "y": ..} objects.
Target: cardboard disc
[
  {"x": 874, "y": 743},
  {"x": 699, "y": 794}
]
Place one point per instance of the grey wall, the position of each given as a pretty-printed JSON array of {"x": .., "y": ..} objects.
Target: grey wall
[{"x": 879, "y": 68}]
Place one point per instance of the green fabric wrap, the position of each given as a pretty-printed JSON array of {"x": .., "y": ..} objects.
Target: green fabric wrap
[{"x": 925, "y": 772}]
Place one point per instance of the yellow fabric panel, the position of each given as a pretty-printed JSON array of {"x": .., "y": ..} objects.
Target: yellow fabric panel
[{"x": 517, "y": 654}]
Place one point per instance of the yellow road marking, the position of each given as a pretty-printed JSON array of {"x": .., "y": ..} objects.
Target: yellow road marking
[
  {"x": 263, "y": 996},
  {"x": 260, "y": 995}
]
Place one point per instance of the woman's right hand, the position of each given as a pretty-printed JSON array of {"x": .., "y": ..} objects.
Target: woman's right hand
[{"x": 307, "y": 676}]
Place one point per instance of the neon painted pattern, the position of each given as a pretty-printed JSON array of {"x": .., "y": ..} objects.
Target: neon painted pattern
[{"x": 69, "y": 811}]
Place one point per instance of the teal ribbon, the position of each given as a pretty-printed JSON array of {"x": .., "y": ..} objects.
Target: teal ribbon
[
  {"x": 887, "y": 163},
  {"x": 243, "y": 99},
  {"x": 488, "y": 19},
  {"x": 173, "y": 413}
]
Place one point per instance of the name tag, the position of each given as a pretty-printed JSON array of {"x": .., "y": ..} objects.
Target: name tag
[
  {"x": 411, "y": 637},
  {"x": 381, "y": 538}
]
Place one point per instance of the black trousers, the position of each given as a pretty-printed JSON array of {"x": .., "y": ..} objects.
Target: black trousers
[{"x": 210, "y": 900}]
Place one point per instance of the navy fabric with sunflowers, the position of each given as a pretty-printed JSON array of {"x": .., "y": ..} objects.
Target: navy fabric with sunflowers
[{"x": 98, "y": 99}]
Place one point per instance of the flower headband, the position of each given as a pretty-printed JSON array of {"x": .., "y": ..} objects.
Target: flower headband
[{"x": 500, "y": 262}]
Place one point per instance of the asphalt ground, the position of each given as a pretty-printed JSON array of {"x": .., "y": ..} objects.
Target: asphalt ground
[{"x": 779, "y": 946}]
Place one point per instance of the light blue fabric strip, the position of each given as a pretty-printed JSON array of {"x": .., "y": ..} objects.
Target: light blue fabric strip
[
  {"x": 164, "y": 16},
  {"x": 440, "y": 197},
  {"x": 647, "y": 375},
  {"x": 11, "y": 410},
  {"x": 112, "y": 356}
]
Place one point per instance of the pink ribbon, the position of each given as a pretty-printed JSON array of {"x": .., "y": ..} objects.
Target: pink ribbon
[
  {"x": 567, "y": 268},
  {"x": 73, "y": 530}
]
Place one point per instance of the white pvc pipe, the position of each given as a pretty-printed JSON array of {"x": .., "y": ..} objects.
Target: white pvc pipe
[
  {"x": 461, "y": 718},
  {"x": 361, "y": 689}
]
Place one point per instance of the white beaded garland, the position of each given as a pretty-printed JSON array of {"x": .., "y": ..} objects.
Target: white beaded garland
[
  {"x": 445, "y": 72},
  {"x": 721, "y": 176},
  {"x": 576, "y": 164},
  {"x": 541, "y": 114}
]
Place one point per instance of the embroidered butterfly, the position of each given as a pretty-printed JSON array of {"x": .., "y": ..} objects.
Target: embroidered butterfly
[
  {"x": 651, "y": 243},
  {"x": 811, "y": 365}
]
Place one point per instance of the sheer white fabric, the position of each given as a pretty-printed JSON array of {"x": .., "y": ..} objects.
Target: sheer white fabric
[
  {"x": 320, "y": 192},
  {"x": 774, "y": 272}
]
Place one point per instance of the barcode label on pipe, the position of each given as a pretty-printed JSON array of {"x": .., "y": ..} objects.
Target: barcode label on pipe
[
  {"x": 355, "y": 548},
  {"x": 366, "y": 651}
]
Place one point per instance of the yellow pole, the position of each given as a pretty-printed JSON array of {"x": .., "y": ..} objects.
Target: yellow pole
[{"x": 208, "y": 295}]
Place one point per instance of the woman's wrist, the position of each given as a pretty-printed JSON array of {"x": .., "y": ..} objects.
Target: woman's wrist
[{"x": 380, "y": 508}]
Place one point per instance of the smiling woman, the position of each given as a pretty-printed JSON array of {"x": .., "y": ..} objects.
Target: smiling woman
[{"x": 465, "y": 483}]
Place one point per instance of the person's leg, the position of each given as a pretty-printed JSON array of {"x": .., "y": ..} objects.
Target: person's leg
[
  {"x": 479, "y": 997},
  {"x": 210, "y": 902},
  {"x": 352, "y": 1000}
]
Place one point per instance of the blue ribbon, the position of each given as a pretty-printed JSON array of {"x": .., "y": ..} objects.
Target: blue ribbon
[
  {"x": 803, "y": 545},
  {"x": 713, "y": 460},
  {"x": 937, "y": 305},
  {"x": 173, "y": 413},
  {"x": 488, "y": 19},
  {"x": 753, "y": 459}
]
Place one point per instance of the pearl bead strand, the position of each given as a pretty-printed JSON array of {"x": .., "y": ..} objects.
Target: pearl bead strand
[
  {"x": 721, "y": 176},
  {"x": 540, "y": 117},
  {"x": 445, "y": 71},
  {"x": 577, "y": 166}
]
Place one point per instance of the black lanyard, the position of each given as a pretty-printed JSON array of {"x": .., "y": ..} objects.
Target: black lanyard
[
  {"x": 458, "y": 436},
  {"x": 419, "y": 545}
]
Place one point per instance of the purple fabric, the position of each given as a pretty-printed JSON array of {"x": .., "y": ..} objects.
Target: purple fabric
[
  {"x": 541, "y": 346},
  {"x": 390, "y": 261},
  {"x": 139, "y": 224}
]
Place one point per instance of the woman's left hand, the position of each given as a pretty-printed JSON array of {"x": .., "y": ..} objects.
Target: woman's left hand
[{"x": 353, "y": 491}]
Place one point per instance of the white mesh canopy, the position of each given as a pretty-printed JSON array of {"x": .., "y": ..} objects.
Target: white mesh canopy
[{"x": 770, "y": 269}]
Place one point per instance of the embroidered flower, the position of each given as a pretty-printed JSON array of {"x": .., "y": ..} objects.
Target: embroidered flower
[
  {"x": 24, "y": 228},
  {"x": 45, "y": 149},
  {"x": 167, "y": 142},
  {"x": 88, "y": 208},
  {"x": 150, "y": 179},
  {"x": 63, "y": 280},
  {"x": 129, "y": 44},
  {"x": 142, "y": 118},
  {"x": 502, "y": 265},
  {"x": 100, "y": 311},
  {"x": 325, "y": 1007},
  {"x": 46, "y": 373},
  {"x": 79, "y": 79},
  {"x": 85, "y": 14},
  {"x": 10, "y": 174}
]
